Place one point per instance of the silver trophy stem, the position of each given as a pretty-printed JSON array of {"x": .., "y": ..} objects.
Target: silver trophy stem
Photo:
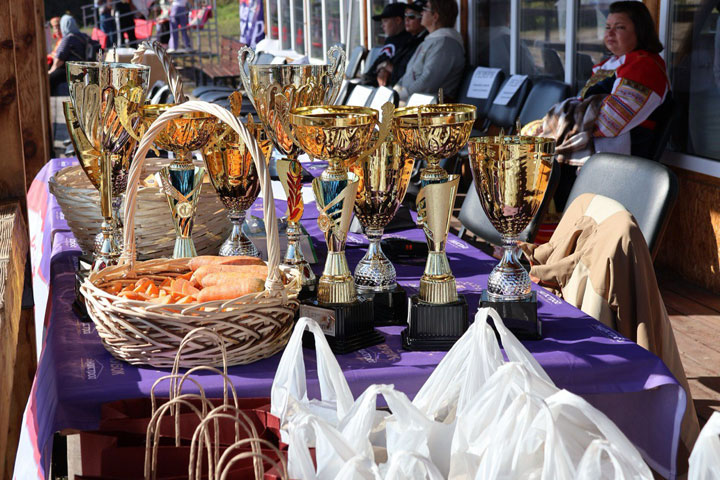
[
  {"x": 238, "y": 243},
  {"x": 294, "y": 257},
  {"x": 375, "y": 272},
  {"x": 509, "y": 280}
]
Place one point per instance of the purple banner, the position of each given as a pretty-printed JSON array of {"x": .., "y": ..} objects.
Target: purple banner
[{"x": 252, "y": 22}]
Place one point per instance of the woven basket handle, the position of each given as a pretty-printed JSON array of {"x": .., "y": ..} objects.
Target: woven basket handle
[{"x": 129, "y": 254}]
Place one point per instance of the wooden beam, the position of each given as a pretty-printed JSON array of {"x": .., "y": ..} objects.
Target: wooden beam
[
  {"x": 30, "y": 87},
  {"x": 13, "y": 252},
  {"x": 654, "y": 7},
  {"x": 12, "y": 175}
]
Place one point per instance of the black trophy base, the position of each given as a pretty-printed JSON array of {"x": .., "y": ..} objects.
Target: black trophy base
[
  {"x": 307, "y": 292},
  {"x": 390, "y": 308},
  {"x": 81, "y": 272},
  {"x": 347, "y": 326},
  {"x": 435, "y": 327},
  {"x": 519, "y": 316}
]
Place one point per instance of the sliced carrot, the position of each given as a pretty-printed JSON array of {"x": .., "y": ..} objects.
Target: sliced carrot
[
  {"x": 187, "y": 299},
  {"x": 152, "y": 290},
  {"x": 166, "y": 283},
  {"x": 162, "y": 299}
]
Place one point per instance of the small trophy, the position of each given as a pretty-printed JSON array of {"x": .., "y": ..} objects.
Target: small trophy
[
  {"x": 511, "y": 175},
  {"x": 298, "y": 86},
  {"x": 384, "y": 176},
  {"x": 181, "y": 180},
  {"x": 438, "y": 315},
  {"x": 233, "y": 174},
  {"x": 338, "y": 134}
]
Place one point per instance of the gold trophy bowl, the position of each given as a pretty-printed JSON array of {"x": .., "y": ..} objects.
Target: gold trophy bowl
[
  {"x": 269, "y": 88},
  {"x": 234, "y": 176},
  {"x": 511, "y": 174},
  {"x": 433, "y": 132},
  {"x": 383, "y": 180},
  {"x": 181, "y": 180}
]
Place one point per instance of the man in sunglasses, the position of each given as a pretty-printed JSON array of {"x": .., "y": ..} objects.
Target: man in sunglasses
[
  {"x": 396, "y": 37},
  {"x": 393, "y": 70}
]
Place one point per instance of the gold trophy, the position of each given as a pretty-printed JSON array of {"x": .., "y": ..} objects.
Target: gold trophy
[
  {"x": 298, "y": 86},
  {"x": 338, "y": 134},
  {"x": 233, "y": 174},
  {"x": 438, "y": 315},
  {"x": 384, "y": 176},
  {"x": 181, "y": 180},
  {"x": 511, "y": 174}
]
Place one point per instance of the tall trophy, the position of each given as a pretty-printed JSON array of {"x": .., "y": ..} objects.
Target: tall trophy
[
  {"x": 384, "y": 176},
  {"x": 182, "y": 179},
  {"x": 298, "y": 86},
  {"x": 338, "y": 134},
  {"x": 511, "y": 174},
  {"x": 233, "y": 174},
  {"x": 438, "y": 315}
]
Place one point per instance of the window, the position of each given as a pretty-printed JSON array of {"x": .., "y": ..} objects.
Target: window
[
  {"x": 298, "y": 30},
  {"x": 694, "y": 63},
  {"x": 285, "y": 28},
  {"x": 542, "y": 42},
  {"x": 271, "y": 8},
  {"x": 377, "y": 36},
  {"x": 590, "y": 32}
]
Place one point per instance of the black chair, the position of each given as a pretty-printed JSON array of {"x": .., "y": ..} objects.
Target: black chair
[
  {"x": 553, "y": 64},
  {"x": 354, "y": 60},
  {"x": 583, "y": 70},
  {"x": 663, "y": 129},
  {"x": 482, "y": 104},
  {"x": 544, "y": 94},
  {"x": 473, "y": 218},
  {"x": 504, "y": 116},
  {"x": 372, "y": 55},
  {"x": 646, "y": 188}
]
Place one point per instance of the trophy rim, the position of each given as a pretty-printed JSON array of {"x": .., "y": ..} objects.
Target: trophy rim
[
  {"x": 153, "y": 108},
  {"x": 265, "y": 67},
  {"x": 333, "y": 116},
  {"x": 511, "y": 140},
  {"x": 83, "y": 63},
  {"x": 407, "y": 117},
  {"x": 128, "y": 66}
]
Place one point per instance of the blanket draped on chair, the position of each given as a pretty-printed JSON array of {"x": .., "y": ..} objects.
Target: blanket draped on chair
[{"x": 598, "y": 260}]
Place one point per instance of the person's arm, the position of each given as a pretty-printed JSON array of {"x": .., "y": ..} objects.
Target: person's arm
[
  {"x": 61, "y": 54},
  {"x": 630, "y": 103},
  {"x": 437, "y": 65},
  {"x": 57, "y": 63}
]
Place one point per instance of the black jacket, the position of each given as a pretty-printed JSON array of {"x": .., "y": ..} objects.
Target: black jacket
[
  {"x": 392, "y": 46},
  {"x": 402, "y": 57}
]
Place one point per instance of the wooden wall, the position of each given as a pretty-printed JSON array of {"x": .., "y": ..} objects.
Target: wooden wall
[
  {"x": 26, "y": 143},
  {"x": 691, "y": 245}
]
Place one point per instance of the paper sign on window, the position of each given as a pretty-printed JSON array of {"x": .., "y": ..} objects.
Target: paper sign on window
[
  {"x": 509, "y": 89},
  {"x": 481, "y": 82}
]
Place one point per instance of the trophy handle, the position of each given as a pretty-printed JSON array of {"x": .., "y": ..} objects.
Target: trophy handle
[
  {"x": 174, "y": 79},
  {"x": 282, "y": 113},
  {"x": 337, "y": 67},
  {"x": 243, "y": 55},
  {"x": 388, "y": 109}
]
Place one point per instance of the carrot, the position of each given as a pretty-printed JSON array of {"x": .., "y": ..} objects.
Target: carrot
[
  {"x": 185, "y": 276},
  {"x": 162, "y": 299},
  {"x": 198, "y": 262},
  {"x": 178, "y": 284},
  {"x": 188, "y": 289},
  {"x": 218, "y": 278},
  {"x": 142, "y": 284},
  {"x": 229, "y": 291},
  {"x": 201, "y": 272},
  {"x": 114, "y": 288}
]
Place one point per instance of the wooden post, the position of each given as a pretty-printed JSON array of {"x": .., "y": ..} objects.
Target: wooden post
[
  {"x": 654, "y": 7},
  {"x": 31, "y": 77},
  {"x": 13, "y": 252}
]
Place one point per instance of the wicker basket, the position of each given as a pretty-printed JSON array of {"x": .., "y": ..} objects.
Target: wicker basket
[
  {"x": 155, "y": 234},
  {"x": 253, "y": 327}
]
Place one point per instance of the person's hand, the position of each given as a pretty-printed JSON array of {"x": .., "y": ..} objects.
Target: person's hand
[{"x": 383, "y": 77}]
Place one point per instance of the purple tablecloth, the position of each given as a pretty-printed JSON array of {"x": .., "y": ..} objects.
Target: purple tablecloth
[{"x": 76, "y": 374}]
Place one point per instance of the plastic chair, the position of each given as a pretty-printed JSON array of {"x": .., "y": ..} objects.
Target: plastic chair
[
  {"x": 504, "y": 116},
  {"x": 360, "y": 96},
  {"x": 646, "y": 188},
  {"x": 353, "y": 62},
  {"x": 473, "y": 217},
  {"x": 543, "y": 95},
  {"x": 482, "y": 104},
  {"x": 553, "y": 64},
  {"x": 163, "y": 95},
  {"x": 264, "y": 58},
  {"x": 382, "y": 96}
]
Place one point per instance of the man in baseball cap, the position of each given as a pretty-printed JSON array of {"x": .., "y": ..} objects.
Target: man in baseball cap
[{"x": 392, "y": 20}]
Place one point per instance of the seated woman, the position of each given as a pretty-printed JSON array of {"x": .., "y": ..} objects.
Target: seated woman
[
  {"x": 73, "y": 47},
  {"x": 617, "y": 109},
  {"x": 440, "y": 59}
]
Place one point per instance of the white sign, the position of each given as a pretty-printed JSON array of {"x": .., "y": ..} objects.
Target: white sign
[
  {"x": 481, "y": 82},
  {"x": 508, "y": 90},
  {"x": 323, "y": 316}
]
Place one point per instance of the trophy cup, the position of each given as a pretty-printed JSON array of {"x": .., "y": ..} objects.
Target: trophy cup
[
  {"x": 299, "y": 86},
  {"x": 511, "y": 174},
  {"x": 438, "y": 315},
  {"x": 384, "y": 176},
  {"x": 233, "y": 174},
  {"x": 338, "y": 134},
  {"x": 181, "y": 180}
]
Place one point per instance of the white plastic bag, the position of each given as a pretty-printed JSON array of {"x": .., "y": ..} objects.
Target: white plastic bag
[
  {"x": 290, "y": 382},
  {"x": 705, "y": 457},
  {"x": 405, "y": 465},
  {"x": 602, "y": 460}
]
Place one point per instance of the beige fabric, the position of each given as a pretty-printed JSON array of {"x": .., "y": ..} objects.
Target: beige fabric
[{"x": 598, "y": 260}]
